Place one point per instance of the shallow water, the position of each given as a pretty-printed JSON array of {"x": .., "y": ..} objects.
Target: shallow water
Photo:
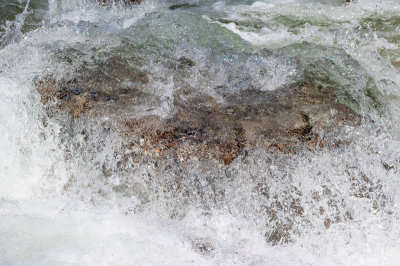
[{"x": 58, "y": 205}]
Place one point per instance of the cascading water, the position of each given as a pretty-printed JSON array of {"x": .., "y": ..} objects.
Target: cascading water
[{"x": 72, "y": 193}]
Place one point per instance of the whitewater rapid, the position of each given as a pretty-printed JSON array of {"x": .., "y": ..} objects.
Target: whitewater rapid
[{"x": 57, "y": 208}]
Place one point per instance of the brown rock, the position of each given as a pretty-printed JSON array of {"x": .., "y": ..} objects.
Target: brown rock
[
  {"x": 200, "y": 126},
  {"x": 203, "y": 130}
]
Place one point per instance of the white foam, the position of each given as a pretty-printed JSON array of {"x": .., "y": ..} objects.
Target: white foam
[{"x": 43, "y": 223}]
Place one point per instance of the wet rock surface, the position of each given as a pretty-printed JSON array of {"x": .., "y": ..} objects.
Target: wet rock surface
[
  {"x": 202, "y": 126},
  {"x": 202, "y": 133},
  {"x": 285, "y": 121}
]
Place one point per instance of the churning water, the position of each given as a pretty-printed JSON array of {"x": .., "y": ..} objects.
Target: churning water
[{"x": 341, "y": 206}]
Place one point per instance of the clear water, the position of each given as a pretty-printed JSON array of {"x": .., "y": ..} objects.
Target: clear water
[{"x": 58, "y": 207}]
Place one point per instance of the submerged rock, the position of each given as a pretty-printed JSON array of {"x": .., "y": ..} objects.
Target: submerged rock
[
  {"x": 281, "y": 121},
  {"x": 332, "y": 67},
  {"x": 188, "y": 148},
  {"x": 202, "y": 126}
]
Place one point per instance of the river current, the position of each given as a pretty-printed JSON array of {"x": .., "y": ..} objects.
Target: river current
[{"x": 59, "y": 206}]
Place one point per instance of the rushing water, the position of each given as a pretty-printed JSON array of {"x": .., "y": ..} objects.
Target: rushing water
[{"x": 58, "y": 207}]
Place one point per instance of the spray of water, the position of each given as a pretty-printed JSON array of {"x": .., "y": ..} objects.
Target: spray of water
[
  {"x": 67, "y": 198},
  {"x": 13, "y": 29}
]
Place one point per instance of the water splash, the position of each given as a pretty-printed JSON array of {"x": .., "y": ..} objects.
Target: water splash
[
  {"x": 66, "y": 200},
  {"x": 13, "y": 29}
]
